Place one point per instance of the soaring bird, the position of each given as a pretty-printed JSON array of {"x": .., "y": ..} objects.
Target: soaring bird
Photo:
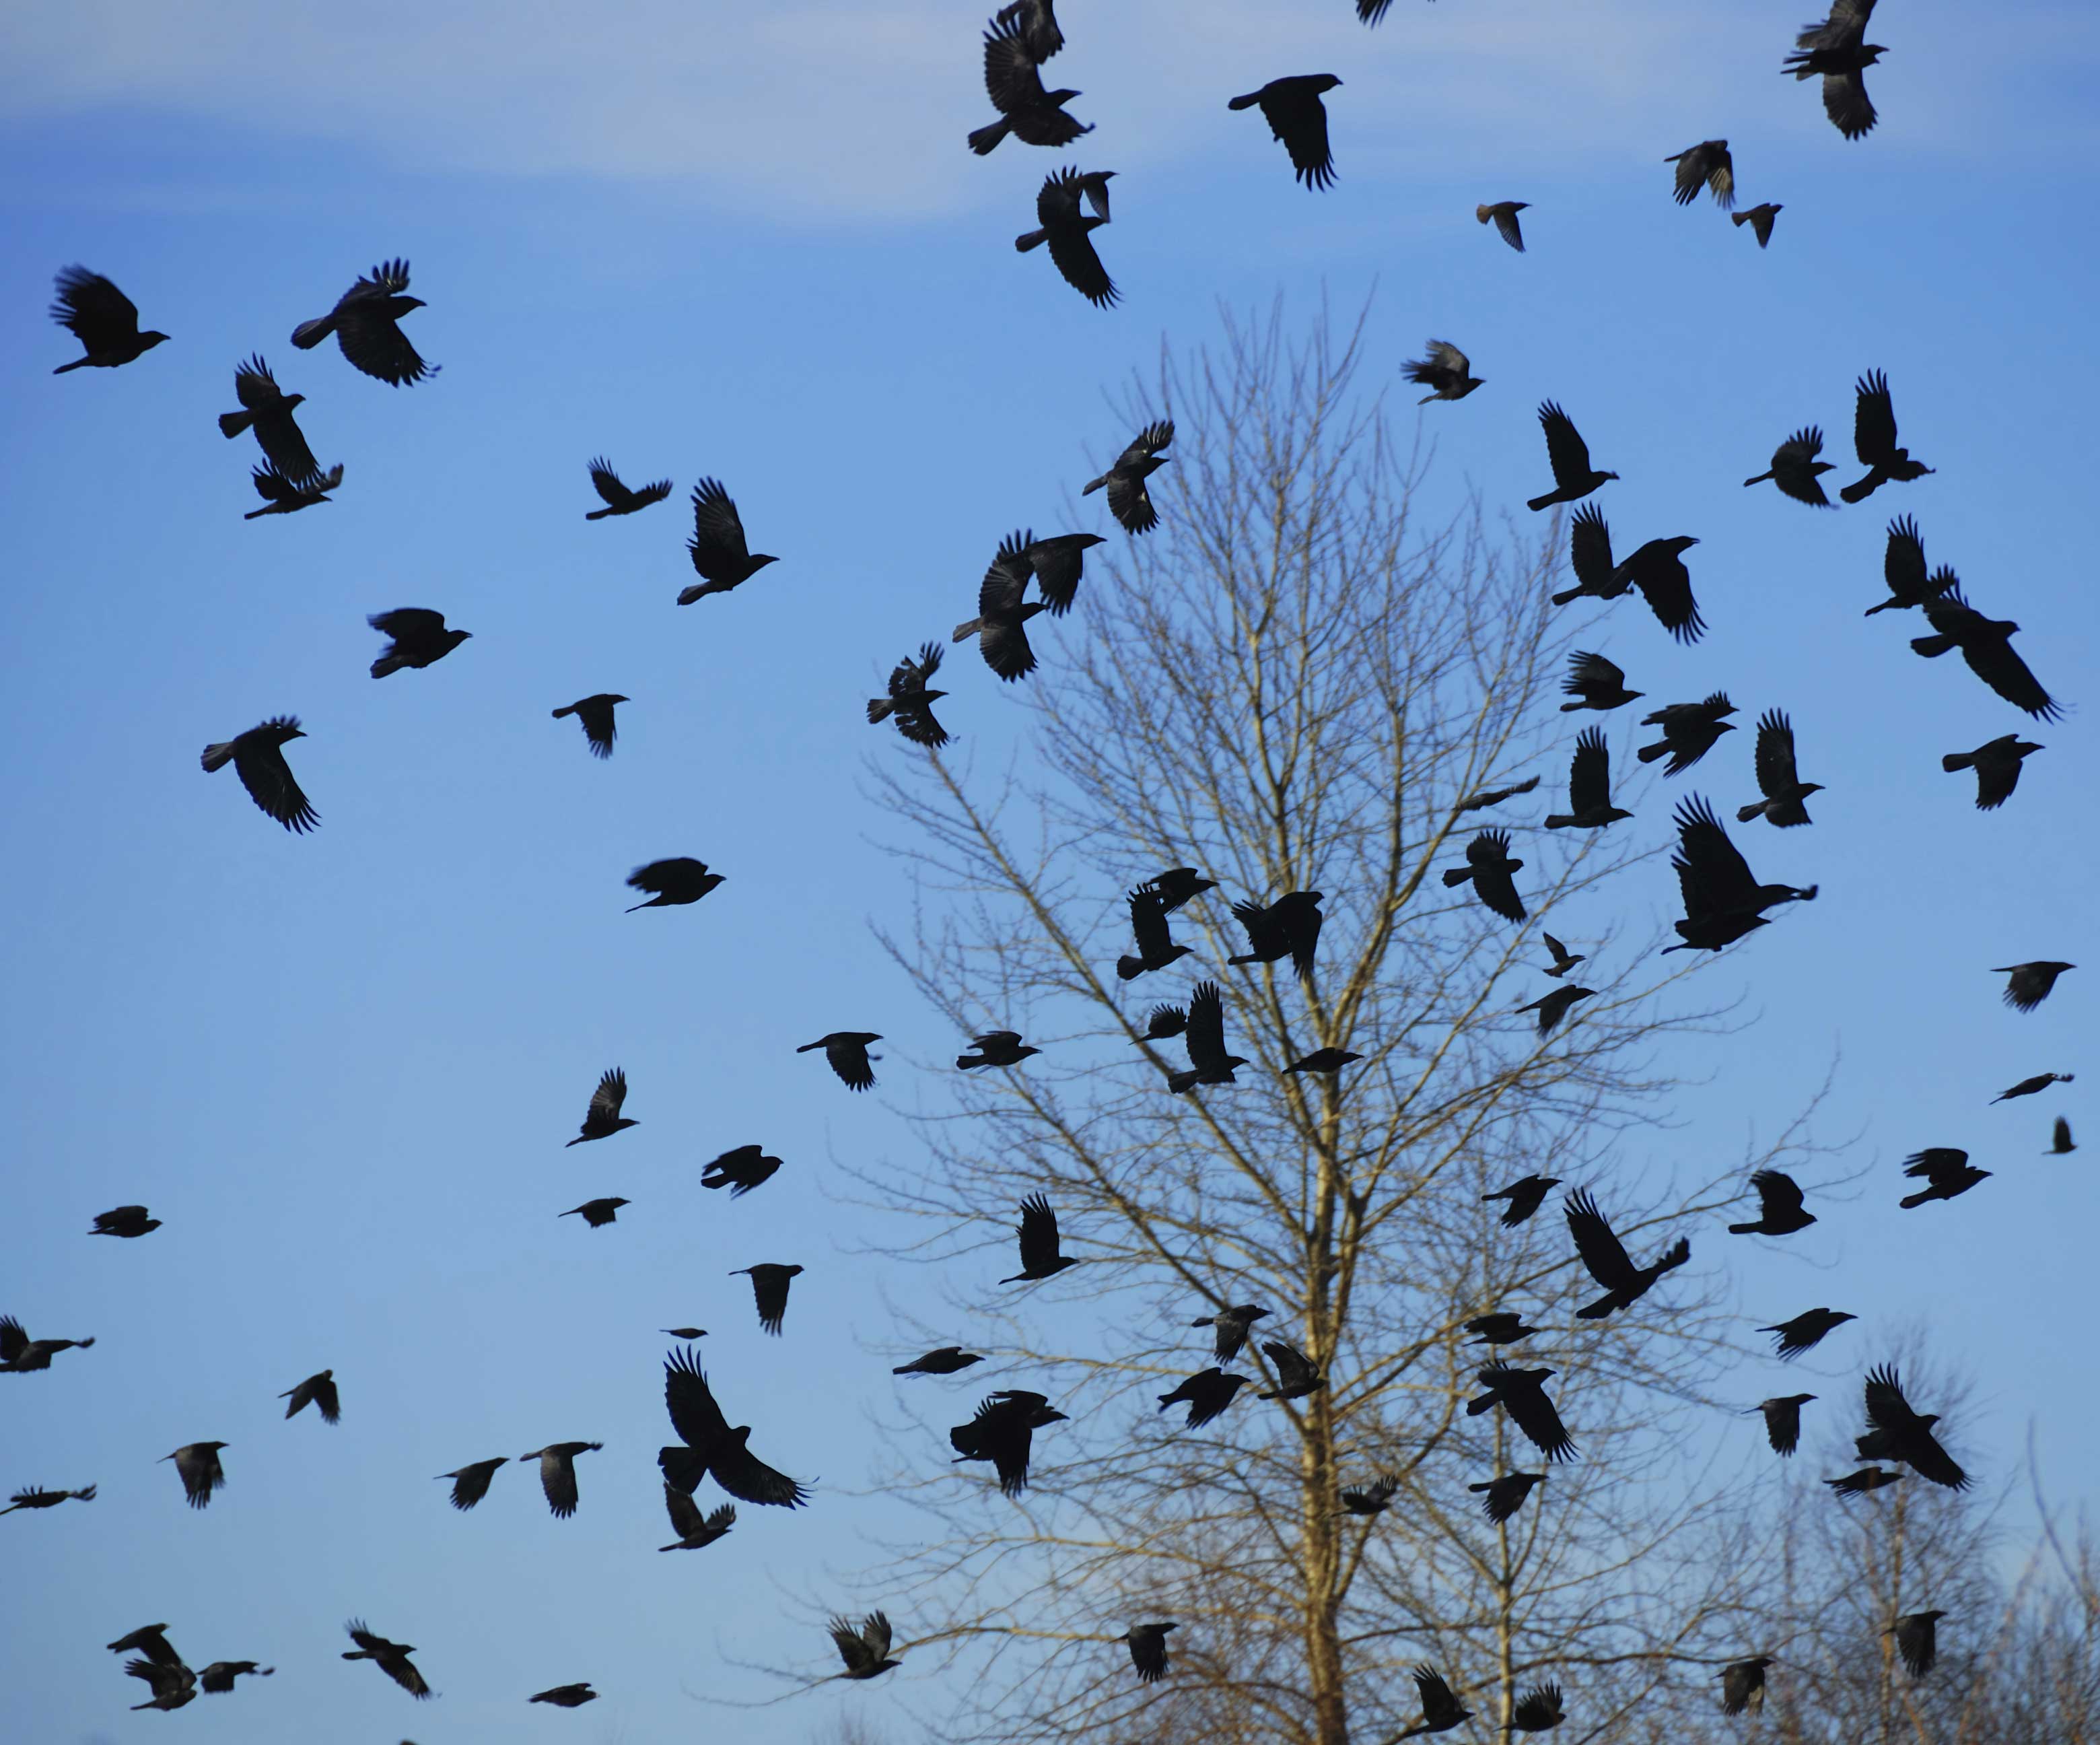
[
  {"x": 1489, "y": 868},
  {"x": 1588, "y": 787},
  {"x": 1946, "y": 1172},
  {"x": 1038, "y": 19},
  {"x": 197, "y": 1464},
  {"x": 1903, "y": 569},
  {"x": 417, "y": 636},
  {"x": 1903, "y": 1434},
  {"x": 318, "y": 1391},
  {"x": 1003, "y": 1431},
  {"x": 1656, "y": 569},
  {"x": 1563, "y": 960},
  {"x": 1001, "y": 624},
  {"x": 282, "y": 495},
  {"x": 1229, "y": 1327},
  {"x": 1296, "y": 115},
  {"x": 1156, "y": 949},
  {"x": 268, "y": 410},
  {"x": 695, "y": 1530},
  {"x": 1722, "y": 899},
  {"x": 1782, "y": 1416},
  {"x": 618, "y": 499},
  {"x": 1539, "y": 1709},
  {"x": 1069, "y": 231},
  {"x": 1503, "y": 1327},
  {"x": 1874, "y": 439},
  {"x": 997, "y": 1048},
  {"x": 1780, "y": 1209},
  {"x": 558, "y": 1472},
  {"x": 1032, "y": 115},
  {"x": 20, "y": 1353},
  {"x": 1864, "y": 1482},
  {"x": 740, "y": 1170},
  {"x": 2028, "y": 1086},
  {"x": 1037, "y": 1232},
  {"x": 1503, "y": 213},
  {"x": 721, "y": 556},
  {"x": 470, "y": 1483},
  {"x": 1996, "y": 763},
  {"x": 1804, "y": 1331},
  {"x": 2029, "y": 984},
  {"x": 1446, "y": 372},
  {"x": 1605, "y": 1256},
  {"x": 1760, "y": 218},
  {"x": 943, "y": 1360},
  {"x": 1521, "y": 1393},
  {"x": 365, "y": 322},
  {"x": 846, "y": 1051},
  {"x": 128, "y": 1221},
  {"x": 566, "y": 1696},
  {"x": 1147, "y": 1643},
  {"x": 218, "y": 1678},
  {"x": 1440, "y": 1710},
  {"x": 1130, "y": 498},
  {"x": 1706, "y": 165},
  {"x": 1057, "y": 562},
  {"x": 602, "y": 1119},
  {"x": 769, "y": 1280},
  {"x": 390, "y": 1658},
  {"x": 1986, "y": 644},
  {"x": 1778, "y": 779},
  {"x": 35, "y": 1496},
  {"x": 102, "y": 318},
  {"x": 1289, "y": 927},
  {"x": 594, "y": 716},
  {"x": 1573, "y": 477},
  {"x": 1296, "y": 1374},
  {"x": 1596, "y": 683},
  {"x": 1552, "y": 1008},
  {"x": 1838, "y": 50},
  {"x": 713, "y": 1446},
  {"x": 1372, "y": 1499},
  {"x": 1796, "y": 470},
  {"x": 598, "y": 1213},
  {"x": 1525, "y": 1196},
  {"x": 866, "y": 1650},
  {"x": 1743, "y": 1685},
  {"x": 673, "y": 882},
  {"x": 909, "y": 703},
  {"x": 1206, "y": 1394},
  {"x": 1177, "y": 885},
  {"x": 1917, "y": 1640},
  {"x": 1204, "y": 1037},
  {"x": 1501, "y": 1498}
]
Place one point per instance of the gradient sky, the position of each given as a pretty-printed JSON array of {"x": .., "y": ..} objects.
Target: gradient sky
[{"x": 750, "y": 243}]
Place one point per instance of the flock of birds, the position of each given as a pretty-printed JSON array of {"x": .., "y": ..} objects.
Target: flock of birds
[{"x": 1724, "y": 901}]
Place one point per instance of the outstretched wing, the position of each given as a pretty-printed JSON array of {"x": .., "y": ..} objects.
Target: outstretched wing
[
  {"x": 1601, "y": 1252},
  {"x": 1873, "y": 420},
  {"x": 1566, "y": 452},
  {"x": 1037, "y": 1231}
]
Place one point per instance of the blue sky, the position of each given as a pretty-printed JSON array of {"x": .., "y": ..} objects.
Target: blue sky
[{"x": 754, "y": 246}]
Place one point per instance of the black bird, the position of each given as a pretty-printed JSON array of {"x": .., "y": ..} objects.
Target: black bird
[
  {"x": 1656, "y": 569},
  {"x": 997, "y": 1048},
  {"x": 1204, "y": 1037},
  {"x": 1501, "y": 1498},
  {"x": 1917, "y": 1640},
  {"x": 943, "y": 1360},
  {"x": 1722, "y": 899},
  {"x": 1130, "y": 499},
  {"x": 1945, "y": 1171},
  {"x": 1689, "y": 732},
  {"x": 102, "y": 318},
  {"x": 1743, "y": 1685},
  {"x": 721, "y": 557},
  {"x": 1038, "y": 1234},
  {"x": 35, "y": 1496},
  {"x": 769, "y": 1287},
  {"x": 1778, "y": 778},
  {"x": 1060, "y": 224},
  {"x": 1156, "y": 948},
  {"x": 1447, "y": 373},
  {"x": 124, "y": 1221},
  {"x": 1796, "y": 470},
  {"x": 1032, "y": 115},
  {"x": 20, "y": 1353},
  {"x": 558, "y": 1472},
  {"x": 1551, "y": 1008},
  {"x": 1324, "y": 1060},
  {"x": 1488, "y": 868},
  {"x": 1522, "y": 1394},
  {"x": 470, "y": 1483},
  {"x": 1206, "y": 1394},
  {"x": 602, "y": 1119},
  {"x": 1038, "y": 23},
  {"x": 1904, "y": 1435},
  {"x": 1563, "y": 960},
  {"x": 1503, "y": 1327},
  {"x": 685, "y": 1332},
  {"x": 172, "y": 1685},
  {"x": 1902, "y": 568},
  {"x": 740, "y": 1170},
  {"x": 846, "y": 1050},
  {"x": 1524, "y": 1195},
  {"x": 1230, "y": 1327},
  {"x": 1177, "y": 885},
  {"x": 1596, "y": 683},
  {"x": 1289, "y": 927},
  {"x": 695, "y": 1530},
  {"x": 1001, "y": 624},
  {"x": 1003, "y": 1431},
  {"x": 1782, "y": 1416},
  {"x": 1838, "y": 50},
  {"x": 1874, "y": 441},
  {"x": 1804, "y": 1331},
  {"x": 1148, "y": 1650},
  {"x": 1780, "y": 1209},
  {"x": 1538, "y": 1710},
  {"x": 1483, "y": 798},
  {"x": 909, "y": 703},
  {"x": 594, "y": 715},
  {"x": 417, "y": 637},
  {"x": 1501, "y": 212},
  {"x": 1058, "y": 563},
  {"x": 865, "y": 1651},
  {"x": 1706, "y": 165},
  {"x": 390, "y": 1658},
  {"x": 598, "y": 1213},
  {"x": 268, "y": 410},
  {"x": 1372, "y": 1499},
  {"x": 1625, "y": 1283},
  {"x": 566, "y": 1696},
  {"x": 1997, "y": 767},
  {"x": 197, "y": 1464},
  {"x": 1760, "y": 218},
  {"x": 1296, "y": 1374},
  {"x": 318, "y": 1391},
  {"x": 1588, "y": 787},
  {"x": 618, "y": 499},
  {"x": 218, "y": 1678},
  {"x": 2029, "y": 982},
  {"x": 1440, "y": 1710},
  {"x": 1296, "y": 115},
  {"x": 1986, "y": 644},
  {"x": 1867, "y": 1479},
  {"x": 150, "y": 1640},
  {"x": 680, "y": 880},
  {"x": 2041, "y": 1081},
  {"x": 2061, "y": 1143},
  {"x": 1568, "y": 455},
  {"x": 713, "y": 1446},
  {"x": 283, "y": 495},
  {"x": 365, "y": 322}
]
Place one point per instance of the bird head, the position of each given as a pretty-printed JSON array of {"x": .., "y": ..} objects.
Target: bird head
[
  {"x": 1871, "y": 52},
  {"x": 1086, "y": 541},
  {"x": 617, "y": 1201},
  {"x": 147, "y": 341},
  {"x": 1608, "y": 475},
  {"x": 404, "y": 304},
  {"x": 934, "y": 697},
  {"x": 760, "y": 559},
  {"x": 1062, "y": 96},
  {"x": 294, "y": 399},
  {"x": 615, "y": 698},
  {"x": 1808, "y": 788},
  {"x": 1324, "y": 81},
  {"x": 1683, "y": 542}
]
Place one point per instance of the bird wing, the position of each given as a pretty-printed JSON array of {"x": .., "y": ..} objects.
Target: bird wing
[
  {"x": 326, "y": 1400},
  {"x": 1593, "y": 671},
  {"x": 607, "y": 484},
  {"x": 1566, "y": 452},
  {"x": 1666, "y": 585},
  {"x": 1072, "y": 252},
  {"x": 1435, "y": 1695},
  {"x": 1447, "y": 356},
  {"x": 1037, "y": 1231},
  {"x": 371, "y": 339},
  {"x": 1902, "y": 563},
  {"x": 1711, "y": 872},
  {"x": 850, "y": 1061},
  {"x": 769, "y": 1289},
  {"x": 1293, "y": 1367},
  {"x": 14, "y": 1339},
  {"x": 695, "y": 1416},
  {"x": 557, "y": 1479},
  {"x": 1777, "y": 1192},
  {"x": 610, "y": 1095},
  {"x": 875, "y": 1631},
  {"x": 1263, "y": 930},
  {"x": 685, "y": 1514},
  {"x": 1776, "y": 773},
  {"x": 1148, "y": 925},
  {"x": 852, "y": 1650},
  {"x": 402, "y": 1670},
  {"x": 1845, "y": 25},
  {"x": 1000, "y": 594},
  {"x": 1590, "y": 776},
  {"x": 1602, "y": 1250},
  {"x": 1011, "y": 79},
  {"x": 1994, "y": 662},
  {"x": 717, "y": 545},
  {"x": 1301, "y": 920},
  {"x": 1589, "y": 539},
  {"x": 1873, "y": 414},
  {"x": 1204, "y": 1037},
  {"x": 1299, "y": 118},
  {"x": 1156, "y": 435},
  {"x": 93, "y": 308},
  {"x": 254, "y": 386},
  {"x": 408, "y": 623},
  {"x": 1535, "y": 1416}
]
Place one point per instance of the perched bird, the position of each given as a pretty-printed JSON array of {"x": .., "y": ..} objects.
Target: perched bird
[
  {"x": 1296, "y": 115},
  {"x": 124, "y": 1220},
  {"x": 284, "y": 495},
  {"x": 417, "y": 638},
  {"x": 1838, "y": 50},
  {"x": 1656, "y": 569},
  {"x": 1573, "y": 477},
  {"x": 618, "y": 499},
  {"x": 1504, "y": 1327},
  {"x": 1068, "y": 231},
  {"x": 909, "y": 702},
  {"x": 598, "y": 1213},
  {"x": 1778, "y": 779},
  {"x": 1488, "y": 868},
  {"x": 721, "y": 557},
  {"x": 1780, "y": 1209},
  {"x": 1945, "y": 1171},
  {"x": 558, "y": 1472},
  {"x": 2041, "y": 1081},
  {"x": 740, "y": 1170},
  {"x": 1058, "y": 561},
  {"x": 1588, "y": 787},
  {"x": 172, "y": 1685},
  {"x": 197, "y": 1464},
  {"x": 1903, "y": 569},
  {"x": 1804, "y": 1331},
  {"x": 1986, "y": 644},
  {"x": 1289, "y": 927},
  {"x": 1032, "y": 115},
  {"x": 218, "y": 1678},
  {"x": 1761, "y": 218},
  {"x": 1743, "y": 1685},
  {"x": 695, "y": 1530},
  {"x": 1204, "y": 1037},
  {"x": 1996, "y": 763},
  {"x": 1596, "y": 683},
  {"x": 1038, "y": 19},
  {"x": 1230, "y": 1328},
  {"x": 1372, "y": 1499},
  {"x": 1902, "y": 1434},
  {"x": 1447, "y": 373},
  {"x": 1782, "y": 1416},
  {"x": 1156, "y": 949},
  {"x": 1440, "y": 1710},
  {"x": 1503, "y": 213},
  {"x": 1917, "y": 1640},
  {"x": 1002, "y": 1432},
  {"x": 602, "y": 1119},
  {"x": 1706, "y": 165},
  {"x": 366, "y": 323},
  {"x": 318, "y": 1391},
  {"x": 1722, "y": 899},
  {"x": 594, "y": 716},
  {"x": 35, "y": 1496},
  {"x": 1482, "y": 799},
  {"x": 1324, "y": 1060},
  {"x": 943, "y": 1360},
  {"x": 2060, "y": 1144},
  {"x": 1551, "y": 1008},
  {"x": 846, "y": 1050},
  {"x": 1867, "y": 1479},
  {"x": 1038, "y": 1234},
  {"x": 1001, "y": 624},
  {"x": 1206, "y": 1394},
  {"x": 1625, "y": 1283},
  {"x": 1148, "y": 1650},
  {"x": 712, "y": 1446},
  {"x": 20, "y": 1353},
  {"x": 1796, "y": 470},
  {"x": 268, "y": 410},
  {"x": 566, "y": 1696},
  {"x": 1563, "y": 960},
  {"x": 2029, "y": 983},
  {"x": 1178, "y": 885},
  {"x": 1525, "y": 1196},
  {"x": 769, "y": 1287},
  {"x": 865, "y": 1651},
  {"x": 1689, "y": 732},
  {"x": 1874, "y": 441},
  {"x": 996, "y": 1048},
  {"x": 1538, "y": 1710},
  {"x": 102, "y": 318},
  {"x": 1502, "y": 1497},
  {"x": 680, "y": 880},
  {"x": 390, "y": 1658},
  {"x": 1296, "y": 1374},
  {"x": 1522, "y": 1394},
  {"x": 1130, "y": 498},
  {"x": 470, "y": 1483}
]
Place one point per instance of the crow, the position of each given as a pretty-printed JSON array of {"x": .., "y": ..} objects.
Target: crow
[
  {"x": 1501, "y": 1498},
  {"x": 602, "y": 1119},
  {"x": 1488, "y": 865},
  {"x": 1867, "y": 1479},
  {"x": 149, "y": 1639},
  {"x": 1778, "y": 780},
  {"x": 2029, "y": 983},
  {"x": 1986, "y": 644},
  {"x": 1440, "y": 1710},
  {"x": 1804, "y": 1331},
  {"x": 1625, "y": 1283},
  {"x": 1483, "y": 798},
  {"x": 1372, "y": 1499},
  {"x": 282, "y": 495},
  {"x": 1743, "y": 1685},
  {"x": 417, "y": 637},
  {"x": 1782, "y": 1416},
  {"x": 943, "y": 1360},
  {"x": 1656, "y": 569},
  {"x": 1503, "y": 214},
  {"x": 102, "y": 318},
  {"x": 1796, "y": 470},
  {"x": 470, "y": 1481},
  {"x": 1899, "y": 1433},
  {"x": 685, "y": 1332},
  {"x": 713, "y": 1446},
  {"x": 1177, "y": 885},
  {"x": 1874, "y": 441},
  {"x": 1296, "y": 115},
  {"x": 1779, "y": 1210},
  {"x": 1230, "y": 1327},
  {"x": 740, "y": 1170},
  {"x": 1504, "y": 1327},
  {"x": 566, "y": 1696},
  {"x": 1917, "y": 1640},
  {"x": 1588, "y": 787},
  {"x": 1289, "y": 927},
  {"x": 846, "y": 1050},
  {"x": 1522, "y": 1394},
  {"x": 2061, "y": 1143},
  {"x": 618, "y": 499},
  {"x": 2041, "y": 1081},
  {"x": 1706, "y": 165},
  {"x": 1206, "y": 1394},
  {"x": 1003, "y": 1431},
  {"x": 1164, "y": 1023},
  {"x": 1447, "y": 373},
  {"x": 1001, "y": 624},
  {"x": 558, "y": 1472},
  {"x": 1156, "y": 948},
  {"x": 1563, "y": 960},
  {"x": 1032, "y": 115},
  {"x": 197, "y": 1464},
  {"x": 365, "y": 322},
  {"x": 1038, "y": 23},
  {"x": 594, "y": 715},
  {"x": 1324, "y": 1060},
  {"x": 1538, "y": 1710},
  {"x": 696, "y": 1532},
  {"x": 909, "y": 703},
  {"x": 1760, "y": 219},
  {"x": 865, "y": 1651},
  {"x": 1945, "y": 1171},
  {"x": 318, "y": 1391},
  {"x": 1568, "y": 455},
  {"x": 1722, "y": 900},
  {"x": 218, "y": 1678},
  {"x": 124, "y": 1221},
  {"x": 390, "y": 1658},
  {"x": 1296, "y": 1374},
  {"x": 36, "y": 1497},
  {"x": 1069, "y": 231},
  {"x": 680, "y": 880},
  {"x": 1551, "y": 1008},
  {"x": 1524, "y": 1197},
  {"x": 1838, "y": 50},
  {"x": 769, "y": 1287},
  {"x": 20, "y": 1353},
  {"x": 997, "y": 1048},
  {"x": 268, "y": 411},
  {"x": 721, "y": 557},
  {"x": 1130, "y": 498},
  {"x": 1058, "y": 563},
  {"x": 172, "y": 1685},
  {"x": 1204, "y": 1037},
  {"x": 1997, "y": 767},
  {"x": 1148, "y": 1650},
  {"x": 1903, "y": 569},
  {"x": 1038, "y": 1234},
  {"x": 598, "y": 1213},
  {"x": 1596, "y": 683}
]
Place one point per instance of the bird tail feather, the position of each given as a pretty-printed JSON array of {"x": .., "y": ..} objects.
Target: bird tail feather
[
  {"x": 1540, "y": 502},
  {"x": 1957, "y": 760},
  {"x": 1932, "y": 647},
  {"x": 1861, "y": 489},
  {"x": 1457, "y": 875},
  {"x": 1033, "y": 239},
  {"x": 877, "y": 709},
  {"x": 231, "y": 424},
  {"x": 308, "y": 335},
  {"x": 1247, "y": 101},
  {"x": 983, "y": 139},
  {"x": 217, "y": 757}
]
